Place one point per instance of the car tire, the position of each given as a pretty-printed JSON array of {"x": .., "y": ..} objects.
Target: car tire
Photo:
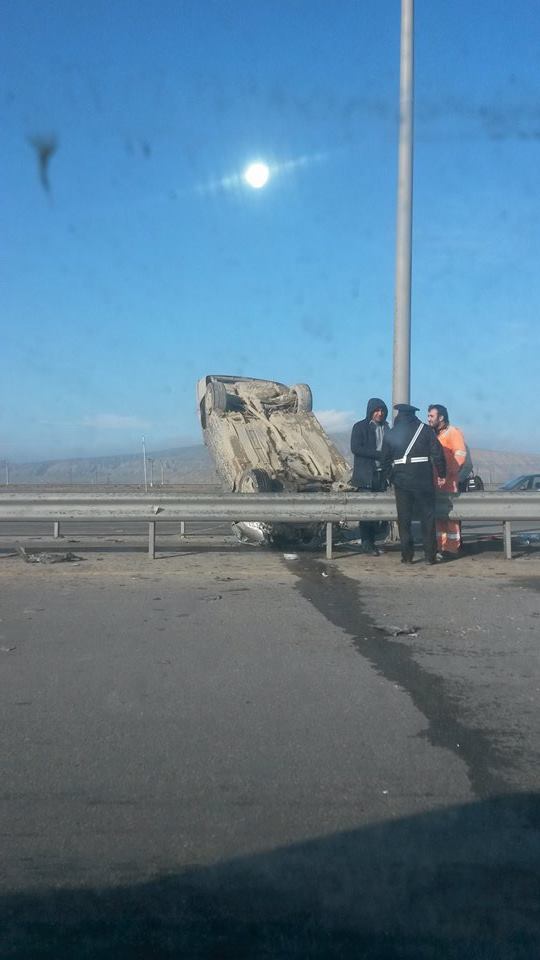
[
  {"x": 215, "y": 399},
  {"x": 304, "y": 397},
  {"x": 255, "y": 481}
]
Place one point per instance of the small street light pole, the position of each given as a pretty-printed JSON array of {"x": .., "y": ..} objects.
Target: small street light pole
[{"x": 144, "y": 465}]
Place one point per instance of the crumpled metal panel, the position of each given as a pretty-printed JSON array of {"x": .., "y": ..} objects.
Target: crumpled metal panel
[{"x": 263, "y": 431}]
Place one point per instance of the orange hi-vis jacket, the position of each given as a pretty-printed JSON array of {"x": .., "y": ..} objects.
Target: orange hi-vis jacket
[{"x": 455, "y": 452}]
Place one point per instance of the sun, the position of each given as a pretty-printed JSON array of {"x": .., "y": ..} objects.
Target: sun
[{"x": 257, "y": 175}]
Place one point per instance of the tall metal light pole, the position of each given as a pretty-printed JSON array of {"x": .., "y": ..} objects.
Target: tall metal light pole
[{"x": 401, "y": 384}]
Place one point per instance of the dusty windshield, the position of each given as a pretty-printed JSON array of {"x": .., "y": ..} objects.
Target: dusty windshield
[{"x": 270, "y": 479}]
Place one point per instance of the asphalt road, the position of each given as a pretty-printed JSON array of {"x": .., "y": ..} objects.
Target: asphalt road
[{"x": 224, "y": 753}]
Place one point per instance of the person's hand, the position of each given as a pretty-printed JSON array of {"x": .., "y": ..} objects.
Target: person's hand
[{"x": 441, "y": 482}]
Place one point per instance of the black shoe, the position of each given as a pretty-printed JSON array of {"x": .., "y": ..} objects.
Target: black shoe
[
  {"x": 371, "y": 550},
  {"x": 407, "y": 560}
]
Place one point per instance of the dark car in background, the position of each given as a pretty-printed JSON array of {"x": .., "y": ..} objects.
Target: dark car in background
[
  {"x": 468, "y": 480},
  {"x": 525, "y": 483},
  {"x": 471, "y": 484}
]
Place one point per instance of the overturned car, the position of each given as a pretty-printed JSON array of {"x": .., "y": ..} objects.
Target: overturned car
[{"x": 263, "y": 437}]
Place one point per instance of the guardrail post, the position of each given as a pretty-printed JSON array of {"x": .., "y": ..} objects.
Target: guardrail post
[
  {"x": 182, "y": 530},
  {"x": 507, "y": 528},
  {"x": 152, "y": 540},
  {"x": 328, "y": 541},
  {"x": 56, "y": 533}
]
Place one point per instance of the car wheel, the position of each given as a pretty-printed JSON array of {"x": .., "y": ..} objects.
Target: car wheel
[
  {"x": 215, "y": 398},
  {"x": 304, "y": 397},
  {"x": 255, "y": 481}
]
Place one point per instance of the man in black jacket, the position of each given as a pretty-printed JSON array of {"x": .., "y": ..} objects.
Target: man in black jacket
[
  {"x": 410, "y": 450},
  {"x": 366, "y": 444}
]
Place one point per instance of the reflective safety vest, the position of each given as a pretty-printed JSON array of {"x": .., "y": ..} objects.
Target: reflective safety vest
[{"x": 455, "y": 454}]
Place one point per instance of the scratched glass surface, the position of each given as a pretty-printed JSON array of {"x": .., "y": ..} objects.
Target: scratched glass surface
[{"x": 196, "y": 189}]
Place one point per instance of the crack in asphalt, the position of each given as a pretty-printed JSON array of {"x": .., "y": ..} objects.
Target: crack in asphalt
[{"x": 338, "y": 599}]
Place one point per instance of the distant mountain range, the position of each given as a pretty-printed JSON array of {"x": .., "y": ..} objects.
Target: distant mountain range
[
  {"x": 181, "y": 465},
  {"x": 187, "y": 465}
]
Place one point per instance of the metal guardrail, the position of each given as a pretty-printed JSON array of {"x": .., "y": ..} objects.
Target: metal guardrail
[{"x": 270, "y": 507}]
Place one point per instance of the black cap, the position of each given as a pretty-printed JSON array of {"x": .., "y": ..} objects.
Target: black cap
[{"x": 405, "y": 408}]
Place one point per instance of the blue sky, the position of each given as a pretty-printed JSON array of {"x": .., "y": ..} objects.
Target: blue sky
[{"x": 149, "y": 264}]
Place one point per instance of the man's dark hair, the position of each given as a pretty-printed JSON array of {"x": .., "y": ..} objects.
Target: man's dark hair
[{"x": 441, "y": 410}]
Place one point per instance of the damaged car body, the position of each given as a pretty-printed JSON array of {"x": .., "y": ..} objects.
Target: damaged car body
[{"x": 264, "y": 438}]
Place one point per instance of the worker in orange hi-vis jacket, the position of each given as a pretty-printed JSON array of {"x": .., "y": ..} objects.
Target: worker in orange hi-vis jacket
[{"x": 455, "y": 452}]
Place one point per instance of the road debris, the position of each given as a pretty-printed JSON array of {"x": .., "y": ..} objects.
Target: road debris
[
  {"x": 6, "y": 649},
  {"x": 404, "y": 631},
  {"x": 43, "y": 557},
  {"x": 528, "y": 537}
]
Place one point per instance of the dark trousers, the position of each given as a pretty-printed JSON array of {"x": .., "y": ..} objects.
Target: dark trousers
[
  {"x": 370, "y": 529},
  {"x": 420, "y": 505},
  {"x": 368, "y": 532}
]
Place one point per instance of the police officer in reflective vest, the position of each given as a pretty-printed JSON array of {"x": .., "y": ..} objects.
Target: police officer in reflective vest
[{"x": 410, "y": 451}]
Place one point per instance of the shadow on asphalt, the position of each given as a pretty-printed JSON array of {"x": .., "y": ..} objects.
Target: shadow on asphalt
[
  {"x": 462, "y": 882},
  {"x": 494, "y": 546},
  {"x": 488, "y": 546}
]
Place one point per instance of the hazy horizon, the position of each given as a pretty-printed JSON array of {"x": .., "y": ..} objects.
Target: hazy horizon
[{"x": 193, "y": 443}]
